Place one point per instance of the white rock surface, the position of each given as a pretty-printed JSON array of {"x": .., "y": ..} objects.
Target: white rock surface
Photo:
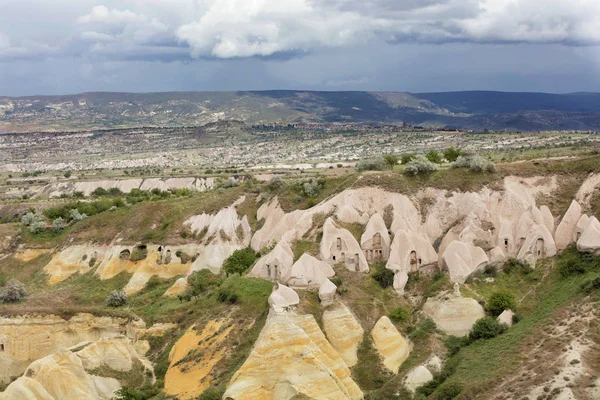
[
  {"x": 462, "y": 260},
  {"x": 566, "y": 230},
  {"x": 276, "y": 265},
  {"x": 327, "y": 292},
  {"x": 590, "y": 238},
  {"x": 283, "y": 298},
  {"x": 308, "y": 272},
  {"x": 506, "y": 317},
  {"x": 417, "y": 378},
  {"x": 338, "y": 245},
  {"x": 454, "y": 314},
  {"x": 375, "y": 241}
]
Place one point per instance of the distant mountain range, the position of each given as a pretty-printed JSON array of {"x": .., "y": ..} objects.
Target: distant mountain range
[{"x": 471, "y": 110}]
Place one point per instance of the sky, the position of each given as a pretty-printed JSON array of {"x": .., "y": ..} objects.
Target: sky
[{"x": 73, "y": 46}]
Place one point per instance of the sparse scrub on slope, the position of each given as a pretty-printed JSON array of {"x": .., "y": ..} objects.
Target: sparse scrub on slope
[{"x": 420, "y": 165}]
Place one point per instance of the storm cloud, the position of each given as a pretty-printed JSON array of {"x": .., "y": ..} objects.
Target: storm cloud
[{"x": 264, "y": 36}]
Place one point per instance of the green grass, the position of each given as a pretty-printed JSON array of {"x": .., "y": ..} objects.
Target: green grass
[
  {"x": 485, "y": 362},
  {"x": 300, "y": 247}
]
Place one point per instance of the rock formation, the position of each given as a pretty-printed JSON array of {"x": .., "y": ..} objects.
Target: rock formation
[
  {"x": 463, "y": 259},
  {"x": 566, "y": 230},
  {"x": 453, "y": 314},
  {"x": 64, "y": 375},
  {"x": 308, "y": 272},
  {"x": 327, "y": 292},
  {"x": 391, "y": 345},
  {"x": 411, "y": 251},
  {"x": 506, "y": 317},
  {"x": 417, "y": 377},
  {"x": 26, "y": 339},
  {"x": 291, "y": 358},
  {"x": 283, "y": 298},
  {"x": 73, "y": 259},
  {"x": 339, "y": 246},
  {"x": 589, "y": 241},
  {"x": 344, "y": 332},
  {"x": 375, "y": 241},
  {"x": 187, "y": 377},
  {"x": 275, "y": 266}
]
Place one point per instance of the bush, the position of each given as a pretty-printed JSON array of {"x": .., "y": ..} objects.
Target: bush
[
  {"x": 13, "y": 292},
  {"x": 274, "y": 183},
  {"x": 400, "y": 314},
  {"x": 37, "y": 227},
  {"x": 513, "y": 265},
  {"x": 201, "y": 281},
  {"x": 58, "y": 225},
  {"x": 570, "y": 263},
  {"x": 384, "y": 276},
  {"x": 139, "y": 253},
  {"x": 99, "y": 192},
  {"x": 371, "y": 165},
  {"x": 455, "y": 343},
  {"x": 311, "y": 188},
  {"x": 406, "y": 158},
  {"x": 420, "y": 165},
  {"x": 128, "y": 393},
  {"x": 240, "y": 261},
  {"x": 224, "y": 295},
  {"x": 211, "y": 394},
  {"x": 336, "y": 280},
  {"x": 116, "y": 298},
  {"x": 448, "y": 391},
  {"x": 500, "y": 301},
  {"x": 391, "y": 160},
  {"x": 30, "y": 218},
  {"x": 2, "y": 279},
  {"x": 75, "y": 215},
  {"x": 434, "y": 156},
  {"x": 486, "y": 328},
  {"x": 451, "y": 154},
  {"x": 475, "y": 163}
]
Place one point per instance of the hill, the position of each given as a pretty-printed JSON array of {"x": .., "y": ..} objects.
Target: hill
[{"x": 470, "y": 110}]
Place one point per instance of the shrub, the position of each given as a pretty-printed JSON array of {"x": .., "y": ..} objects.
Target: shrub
[
  {"x": 336, "y": 280},
  {"x": 500, "y": 301},
  {"x": 391, "y": 160},
  {"x": 451, "y": 154},
  {"x": 13, "y": 292},
  {"x": 513, "y": 265},
  {"x": 423, "y": 329},
  {"x": 99, "y": 192},
  {"x": 448, "y": 391},
  {"x": 58, "y": 225},
  {"x": 311, "y": 188},
  {"x": 570, "y": 263},
  {"x": 183, "y": 256},
  {"x": 371, "y": 165},
  {"x": 115, "y": 191},
  {"x": 384, "y": 276},
  {"x": 406, "y": 158},
  {"x": 224, "y": 295},
  {"x": 139, "y": 253},
  {"x": 30, "y": 218},
  {"x": 434, "y": 156},
  {"x": 128, "y": 393},
  {"x": 240, "y": 261},
  {"x": 67, "y": 174},
  {"x": 486, "y": 328},
  {"x": 201, "y": 281},
  {"x": 455, "y": 343},
  {"x": 37, "y": 227},
  {"x": 400, "y": 314},
  {"x": 2, "y": 279},
  {"x": 420, "y": 165},
  {"x": 274, "y": 183},
  {"x": 78, "y": 194},
  {"x": 75, "y": 215},
  {"x": 475, "y": 163},
  {"x": 116, "y": 298}
]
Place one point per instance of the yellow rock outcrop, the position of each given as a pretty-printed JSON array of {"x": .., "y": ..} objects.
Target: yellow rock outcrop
[
  {"x": 26, "y": 339},
  {"x": 390, "y": 344},
  {"x": 344, "y": 332},
  {"x": 193, "y": 358},
  {"x": 293, "y": 357}
]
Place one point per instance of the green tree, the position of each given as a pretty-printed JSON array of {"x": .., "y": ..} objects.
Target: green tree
[
  {"x": 384, "y": 276},
  {"x": 434, "y": 156},
  {"x": 391, "y": 160},
  {"x": 452, "y": 153},
  {"x": 240, "y": 261}
]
